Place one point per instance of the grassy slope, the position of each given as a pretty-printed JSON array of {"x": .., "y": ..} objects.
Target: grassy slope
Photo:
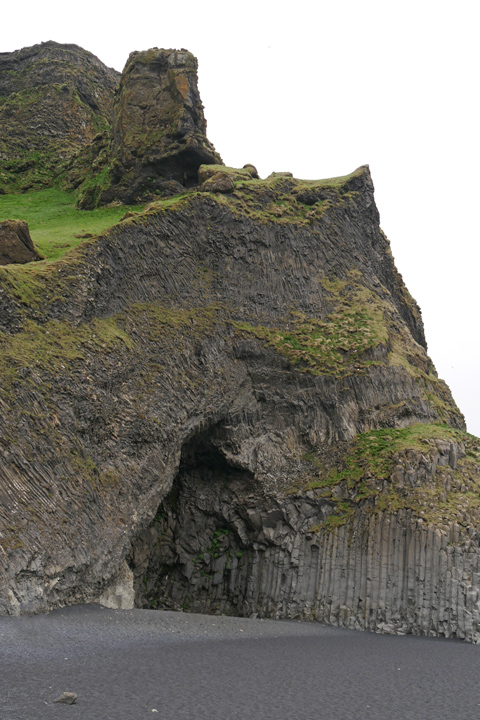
[
  {"x": 54, "y": 220},
  {"x": 363, "y": 476}
]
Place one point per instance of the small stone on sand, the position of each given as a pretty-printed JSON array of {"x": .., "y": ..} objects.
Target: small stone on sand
[{"x": 67, "y": 698}]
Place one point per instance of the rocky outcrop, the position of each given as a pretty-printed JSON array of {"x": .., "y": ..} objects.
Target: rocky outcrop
[
  {"x": 219, "y": 182},
  {"x": 223, "y": 403},
  {"x": 158, "y": 132},
  {"x": 206, "y": 172},
  {"x": 247, "y": 362},
  {"x": 16, "y": 245},
  {"x": 54, "y": 99}
]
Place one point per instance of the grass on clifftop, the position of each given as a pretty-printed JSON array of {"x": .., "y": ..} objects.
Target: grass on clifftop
[{"x": 54, "y": 221}]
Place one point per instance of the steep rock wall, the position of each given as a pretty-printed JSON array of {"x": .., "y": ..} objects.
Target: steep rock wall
[
  {"x": 268, "y": 327},
  {"x": 158, "y": 139},
  {"x": 220, "y": 545}
]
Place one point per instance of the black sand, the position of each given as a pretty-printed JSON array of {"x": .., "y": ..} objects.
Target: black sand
[{"x": 128, "y": 665}]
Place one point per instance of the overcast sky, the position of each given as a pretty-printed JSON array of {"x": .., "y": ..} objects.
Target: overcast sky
[{"x": 319, "y": 88}]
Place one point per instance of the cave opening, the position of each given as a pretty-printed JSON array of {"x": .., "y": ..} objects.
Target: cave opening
[{"x": 196, "y": 553}]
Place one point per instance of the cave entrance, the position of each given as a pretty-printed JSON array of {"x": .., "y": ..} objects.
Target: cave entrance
[{"x": 196, "y": 553}]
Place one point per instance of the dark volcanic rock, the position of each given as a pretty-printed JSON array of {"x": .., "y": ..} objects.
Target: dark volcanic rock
[
  {"x": 220, "y": 183},
  {"x": 159, "y": 129},
  {"x": 16, "y": 245},
  {"x": 66, "y": 698},
  {"x": 226, "y": 403},
  {"x": 53, "y": 100}
]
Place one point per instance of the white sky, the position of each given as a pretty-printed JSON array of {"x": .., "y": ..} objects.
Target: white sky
[{"x": 319, "y": 88}]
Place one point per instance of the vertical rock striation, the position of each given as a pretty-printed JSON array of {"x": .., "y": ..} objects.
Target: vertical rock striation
[
  {"x": 219, "y": 545},
  {"x": 257, "y": 359},
  {"x": 225, "y": 402}
]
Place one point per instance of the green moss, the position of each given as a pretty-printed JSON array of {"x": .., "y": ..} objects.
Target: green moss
[
  {"x": 334, "y": 346},
  {"x": 94, "y": 185},
  {"x": 342, "y": 516},
  {"x": 279, "y": 199},
  {"x": 364, "y": 477},
  {"x": 375, "y": 451},
  {"x": 159, "y": 322},
  {"x": 31, "y": 159},
  {"x": 54, "y": 346},
  {"x": 83, "y": 465}
]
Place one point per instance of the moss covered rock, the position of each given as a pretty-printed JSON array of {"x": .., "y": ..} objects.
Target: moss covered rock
[
  {"x": 158, "y": 132},
  {"x": 54, "y": 99}
]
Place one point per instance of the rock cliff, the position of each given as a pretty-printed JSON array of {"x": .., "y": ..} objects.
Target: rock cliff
[
  {"x": 54, "y": 99},
  {"x": 225, "y": 404}
]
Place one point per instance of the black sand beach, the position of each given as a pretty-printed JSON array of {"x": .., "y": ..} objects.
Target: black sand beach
[{"x": 130, "y": 665}]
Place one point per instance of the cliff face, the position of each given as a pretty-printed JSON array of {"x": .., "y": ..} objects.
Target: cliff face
[
  {"x": 53, "y": 100},
  {"x": 225, "y": 403},
  {"x": 366, "y": 554},
  {"x": 228, "y": 350}
]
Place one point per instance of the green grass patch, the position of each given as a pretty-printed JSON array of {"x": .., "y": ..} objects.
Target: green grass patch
[
  {"x": 370, "y": 461},
  {"x": 374, "y": 452},
  {"x": 54, "y": 221},
  {"x": 52, "y": 347},
  {"x": 364, "y": 478},
  {"x": 285, "y": 200},
  {"x": 328, "y": 347}
]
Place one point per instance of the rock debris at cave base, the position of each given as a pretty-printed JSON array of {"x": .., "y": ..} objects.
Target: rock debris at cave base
[{"x": 225, "y": 404}]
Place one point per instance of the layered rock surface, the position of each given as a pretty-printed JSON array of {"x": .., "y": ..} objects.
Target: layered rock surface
[
  {"x": 223, "y": 403},
  {"x": 233, "y": 352},
  {"x": 54, "y": 99},
  {"x": 394, "y": 564}
]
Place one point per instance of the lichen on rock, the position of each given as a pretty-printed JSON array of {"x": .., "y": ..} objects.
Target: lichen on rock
[{"x": 158, "y": 130}]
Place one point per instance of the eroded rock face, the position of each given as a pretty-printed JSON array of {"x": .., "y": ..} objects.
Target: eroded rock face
[
  {"x": 159, "y": 129},
  {"x": 235, "y": 353},
  {"x": 16, "y": 245},
  {"x": 54, "y": 99},
  {"x": 221, "y": 544}
]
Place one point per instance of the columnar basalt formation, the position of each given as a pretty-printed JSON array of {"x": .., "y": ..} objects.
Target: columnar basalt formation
[
  {"x": 225, "y": 403},
  {"x": 220, "y": 544},
  {"x": 54, "y": 99}
]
